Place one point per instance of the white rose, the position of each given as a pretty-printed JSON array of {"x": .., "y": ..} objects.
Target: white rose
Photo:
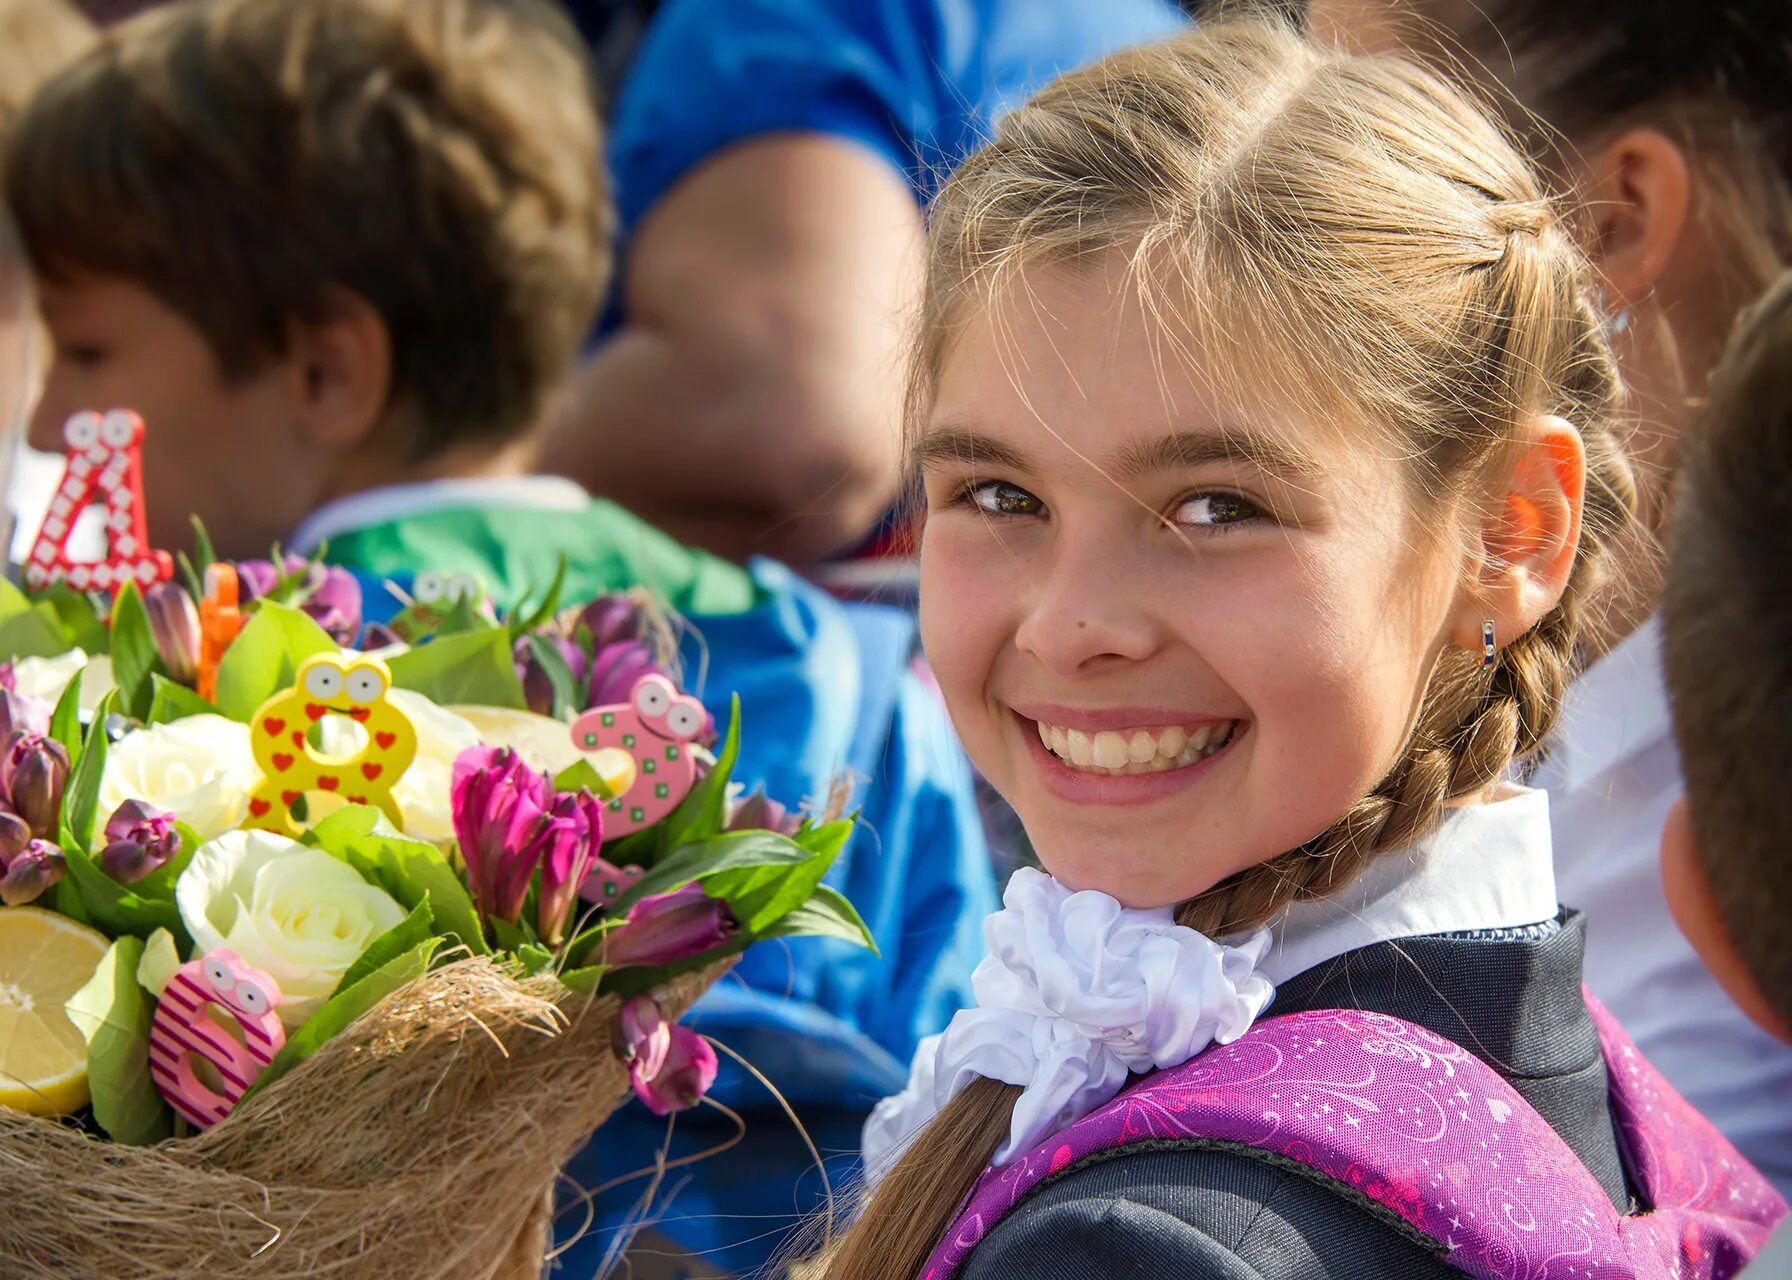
[
  {"x": 424, "y": 792},
  {"x": 199, "y": 767},
  {"x": 47, "y": 678},
  {"x": 298, "y": 914},
  {"x": 544, "y": 743}
]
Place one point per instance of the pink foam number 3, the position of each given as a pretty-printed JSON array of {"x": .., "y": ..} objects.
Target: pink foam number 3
[
  {"x": 184, "y": 1028},
  {"x": 105, "y": 459},
  {"x": 656, "y": 727}
]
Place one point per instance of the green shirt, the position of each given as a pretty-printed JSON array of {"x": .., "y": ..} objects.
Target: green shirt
[{"x": 514, "y": 550}]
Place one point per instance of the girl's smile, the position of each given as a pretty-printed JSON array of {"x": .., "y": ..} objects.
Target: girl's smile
[{"x": 1122, "y": 756}]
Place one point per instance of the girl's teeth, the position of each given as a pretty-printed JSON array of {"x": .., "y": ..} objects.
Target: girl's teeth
[
  {"x": 1110, "y": 750},
  {"x": 1139, "y": 751}
]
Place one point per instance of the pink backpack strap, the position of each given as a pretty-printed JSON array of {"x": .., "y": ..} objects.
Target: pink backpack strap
[{"x": 1438, "y": 1139}]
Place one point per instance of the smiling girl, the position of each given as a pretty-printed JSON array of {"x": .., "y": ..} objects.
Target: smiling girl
[{"x": 1265, "y": 423}]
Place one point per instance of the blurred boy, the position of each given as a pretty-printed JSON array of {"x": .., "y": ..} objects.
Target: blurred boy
[
  {"x": 338, "y": 253},
  {"x": 1726, "y": 851}
]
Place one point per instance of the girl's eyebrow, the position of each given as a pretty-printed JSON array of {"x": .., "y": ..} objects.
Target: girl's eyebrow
[{"x": 1179, "y": 451}]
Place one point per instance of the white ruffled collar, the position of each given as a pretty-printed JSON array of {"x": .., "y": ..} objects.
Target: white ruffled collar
[{"x": 1079, "y": 993}]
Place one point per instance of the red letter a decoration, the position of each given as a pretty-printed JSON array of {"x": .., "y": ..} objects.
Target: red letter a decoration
[{"x": 105, "y": 458}]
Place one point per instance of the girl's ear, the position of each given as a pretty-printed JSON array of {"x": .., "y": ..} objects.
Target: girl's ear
[
  {"x": 1640, "y": 199},
  {"x": 1529, "y": 534},
  {"x": 342, "y": 361}
]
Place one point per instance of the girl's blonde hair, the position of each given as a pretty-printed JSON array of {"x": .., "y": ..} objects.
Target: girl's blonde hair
[{"x": 1354, "y": 237}]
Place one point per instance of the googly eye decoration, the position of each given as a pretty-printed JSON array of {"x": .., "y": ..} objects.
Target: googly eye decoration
[
  {"x": 292, "y": 766},
  {"x": 104, "y": 464},
  {"x": 186, "y": 1029},
  {"x": 658, "y": 727}
]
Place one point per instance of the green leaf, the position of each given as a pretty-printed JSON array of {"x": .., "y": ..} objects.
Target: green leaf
[
  {"x": 553, "y": 666},
  {"x": 189, "y": 576},
  {"x": 65, "y": 721},
  {"x": 83, "y": 626},
  {"x": 535, "y": 958},
  {"x": 760, "y": 896},
  {"x": 517, "y": 937},
  {"x": 406, "y": 935},
  {"x": 13, "y": 602},
  {"x": 549, "y": 603},
  {"x": 348, "y": 1004},
  {"x": 474, "y": 668},
  {"x": 68, "y": 901},
  {"x": 82, "y": 794},
  {"x": 412, "y": 871},
  {"x": 204, "y": 554},
  {"x": 113, "y": 1014},
  {"x": 584, "y": 981},
  {"x": 827, "y": 914},
  {"x": 35, "y": 633},
  {"x": 265, "y": 657},
  {"x": 632, "y": 980},
  {"x": 703, "y": 813},
  {"x": 134, "y": 657},
  {"x": 580, "y": 775},
  {"x": 172, "y": 701},
  {"x": 119, "y": 910}
]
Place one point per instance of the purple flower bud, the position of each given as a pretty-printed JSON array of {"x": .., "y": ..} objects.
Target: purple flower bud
[
  {"x": 614, "y": 670},
  {"x": 499, "y": 805},
  {"x": 669, "y": 1067},
  {"x": 574, "y": 828},
  {"x": 759, "y": 812},
  {"x": 22, "y": 713},
  {"x": 33, "y": 775},
  {"x": 612, "y": 619},
  {"x": 174, "y": 625},
  {"x": 14, "y": 836},
  {"x": 139, "y": 839},
  {"x": 32, "y": 873},
  {"x": 377, "y": 635},
  {"x": 668, "y": 927},
  {"x": 329, "y": 595}
]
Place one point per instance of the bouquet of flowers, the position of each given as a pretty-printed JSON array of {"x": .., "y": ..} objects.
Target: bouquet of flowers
[{"x": 325, "y": 946}]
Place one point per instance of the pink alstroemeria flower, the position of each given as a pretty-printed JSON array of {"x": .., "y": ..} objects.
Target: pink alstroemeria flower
[
  {"x": 669, "y": 1067},
  {"x": 668, "y": 927},
  {"x": 567, "y": 843},
  {"x": 498, "y": 804}
]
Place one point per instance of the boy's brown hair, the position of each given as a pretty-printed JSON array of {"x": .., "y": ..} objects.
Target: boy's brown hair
[
  {"x": 37, "y": 38},
  {"x": 246, "y": 161},
  {"x": 1728, "y": 640}
]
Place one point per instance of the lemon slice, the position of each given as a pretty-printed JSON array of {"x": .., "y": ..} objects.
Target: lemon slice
[{"x": 44, "y": 959}]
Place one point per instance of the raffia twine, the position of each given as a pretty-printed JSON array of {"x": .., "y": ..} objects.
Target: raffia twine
[{"x": 422, "y": 1143}]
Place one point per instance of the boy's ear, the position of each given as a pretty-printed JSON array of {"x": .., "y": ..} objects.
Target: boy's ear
[
  {"x": 343, "y": 359},
  {"x": 1641, "y": 197},
  {"x": 1529, "y": 534},
  {"x": 1695, "y": 910}
]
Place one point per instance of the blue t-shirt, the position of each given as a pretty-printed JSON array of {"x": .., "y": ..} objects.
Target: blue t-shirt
[{"x": 919, "y": 82}]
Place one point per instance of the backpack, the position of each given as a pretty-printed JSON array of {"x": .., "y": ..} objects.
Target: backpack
[{"x": 1421, "y": 1131}]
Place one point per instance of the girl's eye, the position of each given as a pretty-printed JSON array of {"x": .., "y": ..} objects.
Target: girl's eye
[
  {"x": 1214, "y": 510},
  {"x": 1000, "y": 498}
]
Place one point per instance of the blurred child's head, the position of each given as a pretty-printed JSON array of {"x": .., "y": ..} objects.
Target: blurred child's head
[
  {"x": 1672, "y": 124},
  {"x": 37, "y": 38},
  {"x": 318, "y": 244},
  {"x": 1727, "y": 637},
  {"x": 1255, "y": 381}
]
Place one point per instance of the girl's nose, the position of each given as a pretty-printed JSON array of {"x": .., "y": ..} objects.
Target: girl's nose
[{"x": 1087, "y": 611}]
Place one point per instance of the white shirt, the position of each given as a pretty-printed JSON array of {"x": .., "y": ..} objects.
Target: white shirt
[{"x": 1612, "y": 774}]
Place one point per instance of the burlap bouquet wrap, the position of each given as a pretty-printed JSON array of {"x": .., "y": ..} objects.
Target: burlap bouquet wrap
[{"x": 422, "y": 1142}]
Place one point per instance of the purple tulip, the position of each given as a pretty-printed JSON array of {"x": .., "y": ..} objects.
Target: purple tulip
[
  {"x": 139, "y": 839},
  {"x": 31, "y": 873},
  {"x": 567, "y": 842},
  {"x": 538, "y": 690},
  {"x": 330, "y": 595},
  {"x": 669, "y": 1067},
  {"x": 668, "y": 927},
  {"x": 33, "y": 774},
  {"x": 614, "y": 618},
  {"x": 174, "y": 625},
  {"x": 20, "y": 712},
  {"x": 614, "y": 670},
  {"x": 498, "y": 803},
  {"x": 759, "y": 812}
]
